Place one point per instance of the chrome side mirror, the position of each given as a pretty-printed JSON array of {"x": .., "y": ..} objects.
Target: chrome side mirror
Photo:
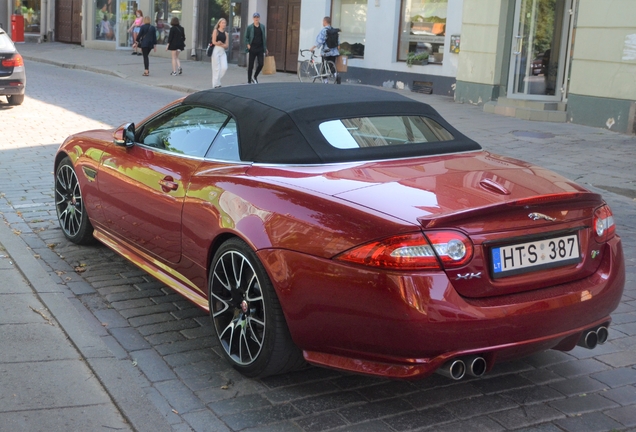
[{"x": 124, "y": 135}]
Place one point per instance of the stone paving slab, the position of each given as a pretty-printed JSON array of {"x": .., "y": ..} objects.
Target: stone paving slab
[{"x": 83, "y": 418}]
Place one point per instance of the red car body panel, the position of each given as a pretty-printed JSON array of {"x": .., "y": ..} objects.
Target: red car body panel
[
  {"x": 418, "y": 321},
  {"x": 169, "y": 214}
]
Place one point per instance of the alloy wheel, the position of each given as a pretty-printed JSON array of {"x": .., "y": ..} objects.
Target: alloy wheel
[
  {"x": 68, "y": 200},
  {"x": 238, "y": 307}
]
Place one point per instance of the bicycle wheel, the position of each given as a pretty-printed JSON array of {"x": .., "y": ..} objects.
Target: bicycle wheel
[
  {"x": 330, "y": 73},
  {"x": 306, "y": 72}
]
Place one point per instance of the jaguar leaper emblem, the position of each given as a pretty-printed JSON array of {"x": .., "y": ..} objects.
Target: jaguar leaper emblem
[{"x": 538, "y": 216}]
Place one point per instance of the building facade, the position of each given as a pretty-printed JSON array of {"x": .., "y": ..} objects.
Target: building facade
[{"x": 550, "y": 60}]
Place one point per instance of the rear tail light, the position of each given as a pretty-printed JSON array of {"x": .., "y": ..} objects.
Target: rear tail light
[
  {"x": 604, "y": 225},
  {"x": 14, "y": 61},
  {"x": 414, "y": 251}
]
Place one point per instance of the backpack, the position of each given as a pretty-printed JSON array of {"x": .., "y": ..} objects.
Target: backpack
[{"x": 332, "y": 37}]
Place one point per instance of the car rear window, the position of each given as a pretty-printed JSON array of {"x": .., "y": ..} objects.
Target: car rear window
[
  {"x": 362, "y": 132},
  {"x": 5, "y": 42}
]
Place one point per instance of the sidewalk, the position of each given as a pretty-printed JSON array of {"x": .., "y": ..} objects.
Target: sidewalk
[
  {"x": 40, "y": 370},
  {"x": 197, "y": 75},
  {"x": 54, "y": 369}
]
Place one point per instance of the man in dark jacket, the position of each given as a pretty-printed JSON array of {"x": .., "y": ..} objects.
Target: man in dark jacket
[{"x": 256, "y": 42}]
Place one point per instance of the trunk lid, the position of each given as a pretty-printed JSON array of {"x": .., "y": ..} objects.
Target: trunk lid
[{"x": 499, "y": 202}]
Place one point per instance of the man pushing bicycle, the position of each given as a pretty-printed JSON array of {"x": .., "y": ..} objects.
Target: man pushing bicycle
[{"x": 328, "y": 40}]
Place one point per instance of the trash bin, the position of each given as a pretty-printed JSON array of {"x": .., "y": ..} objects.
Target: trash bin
[{"x": 17, "y": 28}]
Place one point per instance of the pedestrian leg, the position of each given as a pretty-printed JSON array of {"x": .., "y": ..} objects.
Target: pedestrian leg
[
  {"x": 259, "y": 68},
  {"x": 145, "y": 52},
  {"x": 250, "y": 66}
]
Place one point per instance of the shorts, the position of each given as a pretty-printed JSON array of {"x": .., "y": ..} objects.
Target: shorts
[{"x": 136, "y": 29}]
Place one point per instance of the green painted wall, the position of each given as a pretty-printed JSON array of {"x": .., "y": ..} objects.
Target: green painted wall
[
  {"x": 604, "y": 57},
  {"x": 485, "y": 50},
  {"x": 613, "y": 114}
]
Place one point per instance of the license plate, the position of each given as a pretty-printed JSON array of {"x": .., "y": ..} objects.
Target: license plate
[{"x": 535, "y": 255}]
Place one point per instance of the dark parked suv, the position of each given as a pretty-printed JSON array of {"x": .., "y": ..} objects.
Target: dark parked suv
[{"x": 12, "y": 73}]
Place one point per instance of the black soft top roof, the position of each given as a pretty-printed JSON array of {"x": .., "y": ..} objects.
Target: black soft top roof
[{"x": 279, "y": 123}]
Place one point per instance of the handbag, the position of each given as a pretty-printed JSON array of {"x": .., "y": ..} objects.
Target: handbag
[
  {"x": 208, "y": 52},
  {"x": 269, "y": 66}
]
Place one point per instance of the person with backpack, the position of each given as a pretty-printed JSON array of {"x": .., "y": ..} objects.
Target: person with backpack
[
  {"x": 328, "y": 41},
  {"x": 176, "y": 44}
]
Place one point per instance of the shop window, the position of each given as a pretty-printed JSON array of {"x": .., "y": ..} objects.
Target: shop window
[
  {"x": 164, "y": 11},
  {"x": 422, "y": 28},
  {"x": 30, "y": 10},
  {"x": 350, "y": 16},
  {"x": 105, "y": 20}
]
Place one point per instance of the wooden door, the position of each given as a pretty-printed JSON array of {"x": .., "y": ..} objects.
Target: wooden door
[
  {"x": 68, "y": 21},
  {"x": 283, "y": 33},
  {"x": 293, "y": 35}
]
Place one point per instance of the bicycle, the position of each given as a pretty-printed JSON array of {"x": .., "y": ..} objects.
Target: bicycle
[{"x": 312, "y": 71}]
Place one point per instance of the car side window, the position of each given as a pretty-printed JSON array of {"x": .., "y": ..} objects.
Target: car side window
[
  {"x": 184, "y": 130},
  {"x": 225, "y": 147}
]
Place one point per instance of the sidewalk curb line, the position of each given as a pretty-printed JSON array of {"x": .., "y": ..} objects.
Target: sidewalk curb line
[
  {"x": 72, "y": 66},
  {"x": 178, "y": 88},
  {"x": 131, "y": 400}
]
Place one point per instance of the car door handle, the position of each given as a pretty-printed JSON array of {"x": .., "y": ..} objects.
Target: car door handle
[{"x": 168, "y": 184}]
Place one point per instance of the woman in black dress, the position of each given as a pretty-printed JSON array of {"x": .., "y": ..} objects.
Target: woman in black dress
[{"x": 176, "y": 44}]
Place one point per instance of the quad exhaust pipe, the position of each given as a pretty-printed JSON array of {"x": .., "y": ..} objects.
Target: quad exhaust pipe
[
  {"x": 476, "y": 366},
  {"x": 458, "y": 368},
  {"x": 591, "y": 338}
]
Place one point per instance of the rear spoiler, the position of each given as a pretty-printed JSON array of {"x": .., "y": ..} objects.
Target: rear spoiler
[{"x": 529, "y": 203}]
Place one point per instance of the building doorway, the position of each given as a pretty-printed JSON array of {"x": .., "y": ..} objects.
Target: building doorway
[
  {"x": 540, "y": 42},
  {"x": 232, "y": 12},
  {"x": 283, "y": 33},
  {"x": 125, "y": 17},
  {"x": 68, "y": 21}
]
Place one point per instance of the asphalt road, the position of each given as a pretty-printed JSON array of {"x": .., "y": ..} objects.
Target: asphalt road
[{"x": 170, "y": 342}]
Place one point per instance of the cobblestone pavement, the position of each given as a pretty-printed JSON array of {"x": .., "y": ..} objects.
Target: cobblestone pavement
[{"x": 170, "y": 342}]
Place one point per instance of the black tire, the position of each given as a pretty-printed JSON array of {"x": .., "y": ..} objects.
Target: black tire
[
  {"x": 249, "y": 322},
  {"x": 15, "y": 99},
  {"x": 69, "y": 205},
  {"x": 332, "y": 74},
  {"x": 306, "y": 72}
]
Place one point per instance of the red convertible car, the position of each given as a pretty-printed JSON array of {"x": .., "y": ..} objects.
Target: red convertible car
[{"x": 346, "y": 227}]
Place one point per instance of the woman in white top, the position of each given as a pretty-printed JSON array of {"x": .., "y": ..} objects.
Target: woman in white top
[{"x": 219, "y": 58}]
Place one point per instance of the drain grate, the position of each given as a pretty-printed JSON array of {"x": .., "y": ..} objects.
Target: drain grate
[
  {"x": 529, "y": 134},
  {"x": 423, "y": 87}
]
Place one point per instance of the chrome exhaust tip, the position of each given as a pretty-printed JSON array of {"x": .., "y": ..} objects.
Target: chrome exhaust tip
[
  {"x": 589, "y": 339},
  {"x": 602, "y": 333},
  {"x": 453, "y": 369},
  {"x": 475, "y": 366}
]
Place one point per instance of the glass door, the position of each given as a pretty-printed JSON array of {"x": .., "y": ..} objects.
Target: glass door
[
  {"x": 539, "y": 45},
  {"x": 234, "y": 30},
  {"x": 125, "y": 17}
]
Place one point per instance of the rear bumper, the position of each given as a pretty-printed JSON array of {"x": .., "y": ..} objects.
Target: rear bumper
[
  {"x": 12, "y": 87},
  {"x": 406, "y": 325}
]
